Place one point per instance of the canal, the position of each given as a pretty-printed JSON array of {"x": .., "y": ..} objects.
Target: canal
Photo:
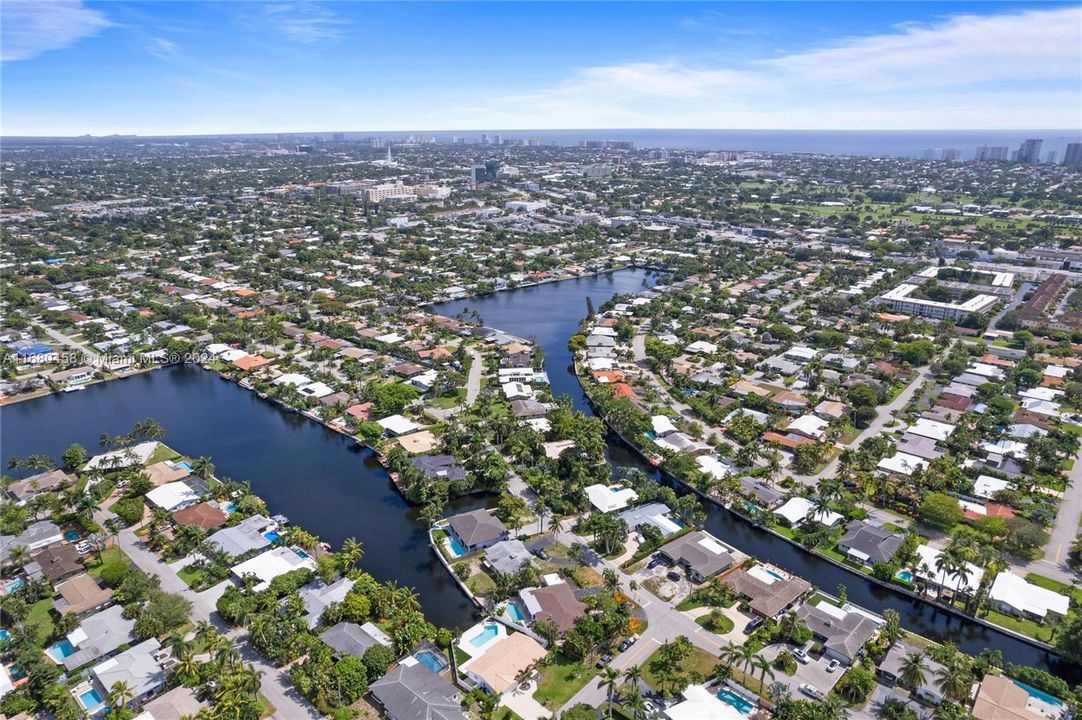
[
  {"x": 336, "y": 489},
  {"x": 551, "y": 313}
]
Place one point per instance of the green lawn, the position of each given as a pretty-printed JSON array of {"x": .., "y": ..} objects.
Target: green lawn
[
  {"x": 725, "y": 626},
  {"x": 480, "y": 584},
  {"x": 700, "y": 661},
  {"x": 561, "y": 680},
  {"x": 40, "y": 614},
  {"x": 108, "y": 555},
  {"x": 162, "y": 452},
  {"x": 192, "y": 575},
  {"x": 1026, "y": 627}
]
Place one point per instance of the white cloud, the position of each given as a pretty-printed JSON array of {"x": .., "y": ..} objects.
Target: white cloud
[
  {"x": 164, "y": 49},
  {"x": 32, "y": 27},
  {"x": 304, "y": 22},
  {"x": 1011, "y": 70}
]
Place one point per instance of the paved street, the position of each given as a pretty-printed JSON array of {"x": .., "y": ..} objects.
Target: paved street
[{"x": 91, "y": 355}]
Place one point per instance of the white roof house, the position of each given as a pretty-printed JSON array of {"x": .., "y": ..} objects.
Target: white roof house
[
  {"x": 662, "y": 425},
  {"x": 273, "y": 563},
  {"x": 799, "y": 509},
  {"x": 702, "y": 704},
  {"x": 173, "y": 496},
  {"x": 398, "y": 425},
  {"x": 217, "y": 349},
  {"x": 1013, "y": 592},
  {"x": 232, "y": 355},
  {"x": 986, "y": 486},
  {"x": 938, "y": 431},
  {"x": 295, "y": 379},
  {"x": 929, "y": 556},
  {"x": 316, "y": 390},
  {"x": 125, "y": 457},
  {"x": 714, "y": 466},
  {"x": 702, "y": 346},
  {"x": 810, "y": 426},
  {"x": 608, "y": 498},
  {"x": 517, "y": 391},
  {"x": 902, "y": 464}
]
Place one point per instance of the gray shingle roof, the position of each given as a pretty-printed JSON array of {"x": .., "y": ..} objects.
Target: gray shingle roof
[{"x": 416, "y": 693}]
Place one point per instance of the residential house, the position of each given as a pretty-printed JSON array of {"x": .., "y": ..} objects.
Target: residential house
[
  {"x": 842, "y": 633},
  {"x": 507, "y": 557},
  {"x": 98, "y": 636},
  {"x": 348, "y": 638},
  {"x": 271, "y": 564},
  {"x": 477, "y": 529},
  {"x": 81, "y": 594},
  {"x": 768, "y": 590},
  {"x": 699, "y": 553},
  {"x": 867, "y": 545},
  {"x": 137, "y": 668},
  {"x": 413, "y": 692},
  {"x": 555, "y": 603}
]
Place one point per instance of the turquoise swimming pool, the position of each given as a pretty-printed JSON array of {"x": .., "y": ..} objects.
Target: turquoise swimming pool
[
  {"x": 432, "y": 661},
  {"x": 60, "y": 651},
  {"x": 456, "y": 548},
  {"x": 271, "y": 536},
  {"x": 488, "y": 632},
  {"x": 1039, "y": 694},
  {"x": 13, "y": 585},
  {"x": 742, "y": 705},
  {"x": 514, "y": 612},
  {"x": 91, "y": 700},
  {"x": 905, "y": 576}
]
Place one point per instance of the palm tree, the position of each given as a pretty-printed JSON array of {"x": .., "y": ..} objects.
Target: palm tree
[
  {"x": 120, "y": 694},
  {"x": 202, "y": 467},
  {"x": 249, "y": 679},
  {"x": 352, "y": 550},
  {"x": 746, "y": 655},
  {"x": 633, "y": 675},
  {"x": 187, "y": 665},
  {"x": 913, "y": 670},
  {"x": 610, "y": 678},
  {"x": 19, "y": 556},
  {"x": 763, "y": 666},
  {"x": 636, "y": 704},
  {"x": 954, "y": 681},
  {"x": 729, "y": 654},
  {"x": 205, "y": 632}
]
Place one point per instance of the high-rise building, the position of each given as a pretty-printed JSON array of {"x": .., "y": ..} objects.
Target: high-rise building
[
  {"x": 484, "y": 138},
  {"x": 1073, "y": 158},
  {"x": 478, "y": 174},
  {"x": 497, "y": 140},
  {"x": 991, "y": 153},
  {"x": 1052, "y": 157},
  {"x": 952, "y": 154},
  {"x": 1030, "y": 151},
  {"x": 929, "y": 154}
]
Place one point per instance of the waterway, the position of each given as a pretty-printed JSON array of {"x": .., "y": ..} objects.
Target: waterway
[
  {"x": 336, "y": 489},
  {"x": 551, "y": 313}
]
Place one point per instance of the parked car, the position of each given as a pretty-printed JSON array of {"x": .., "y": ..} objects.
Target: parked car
[
  {"x": 604, "y": 660},
  {"x": 801, "y": 656},
  {"x": 628, "y": 642},
  {"x": 753, "y": 625},
  {"x": 654, "y": 562},
  {"x": 673, "y": 575},
  {"x": 541, "y": 554},
  {"x": 812, "y": 691},
  {"x": 834, "y": 665}
]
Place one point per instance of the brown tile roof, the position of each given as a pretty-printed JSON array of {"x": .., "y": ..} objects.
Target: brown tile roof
[
  {"x": 81, "y": 593},
  {"x": 767, "y": 600},
  {"x": 558, "y": 605},
  {"x": 58, "y": 561},
  {"x": 204, "y": 515}
]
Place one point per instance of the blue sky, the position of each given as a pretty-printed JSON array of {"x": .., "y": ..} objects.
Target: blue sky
[{"x": 73, "y": 67}]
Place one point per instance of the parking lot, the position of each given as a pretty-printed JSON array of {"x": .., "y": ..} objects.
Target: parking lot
[{"x": 814, "y": 672}]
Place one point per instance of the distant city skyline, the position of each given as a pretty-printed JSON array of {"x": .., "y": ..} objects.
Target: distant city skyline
[{"x": 72, "y": 68}]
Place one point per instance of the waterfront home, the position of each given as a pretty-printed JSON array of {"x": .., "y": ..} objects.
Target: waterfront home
[
  {"x": 682, "y": 442},
  {"x": 507, "y": 557},
  {"x": 1013, "y": 595},
  {"x": 609, "y": 498},
  {"x": 799, "y": 510},
  {"x": 842, "y": 633},
  {"x": 439, "y": 467},
  {"x": 348, "y": 638},
  {"x": 248, "y": 535},
  {"x": 700, "y": 554},
  {"x": 81, "y": 594},
  {"x": 166, "y": 471},
  {"x": 173, "y": 496},
  {"x": 136, "y": 455},
  {"x": 138, "y": 668},
  {"x": 410, "y": 691},
  {"x": 49, "y": 481},
  {"x": 867, "y": 545},
  {"x": 424, "y": 441},
  {"x": 204, "y": 515},
  {"x": 318, "y": 596},
  {"x": 477, "y": 529},
  {"x": 97, "y": 636},
  {"x": 271, "y": 564},
  {"x": 555, "y": 603},
  {"x": 530, "y": 409},
  {"x": 764, "y": 495},
  {"x": 58, "y": 561},
  {"x": 890, "y": 670},
  {"x": 397, "y": 425},
  {"x": 496, "y": 656},
  {"x": 1001, "y": 698},
  {"x": 71, "y": 377},
  {"x": 36, "y": 535},
  {"x": 930, "y": 570},
  {"x": 654, "y": 514},
  {"x": 768, "y": 590}
]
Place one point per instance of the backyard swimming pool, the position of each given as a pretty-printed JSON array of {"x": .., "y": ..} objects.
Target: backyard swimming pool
[
  {"x": 14, "y": 585},
  {"x": 432, "y": 661},
  {"x": 71, "y": 535},
  {"x": 60, "y": 651},
  {"x": 488, "y": 632},
  {"x": 454, "y": 547},
  {"x": 905, "y": 576},
  {"x": 91, "y": 700},
  {"x": 514, "y": 612},
  {"x": 271, "y": 536},
  {"x": 742, "y": 705},
  {"x": 1039, "y": 694}
]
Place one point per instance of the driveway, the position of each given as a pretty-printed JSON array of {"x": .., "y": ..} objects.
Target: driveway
[{"x": 814, "y": 672}]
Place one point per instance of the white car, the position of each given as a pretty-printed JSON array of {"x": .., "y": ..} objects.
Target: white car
[
  {"x": 801, "y": 656},
  {"x": 834, "y": 665},
  {"x": 812, "y": 691}
]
